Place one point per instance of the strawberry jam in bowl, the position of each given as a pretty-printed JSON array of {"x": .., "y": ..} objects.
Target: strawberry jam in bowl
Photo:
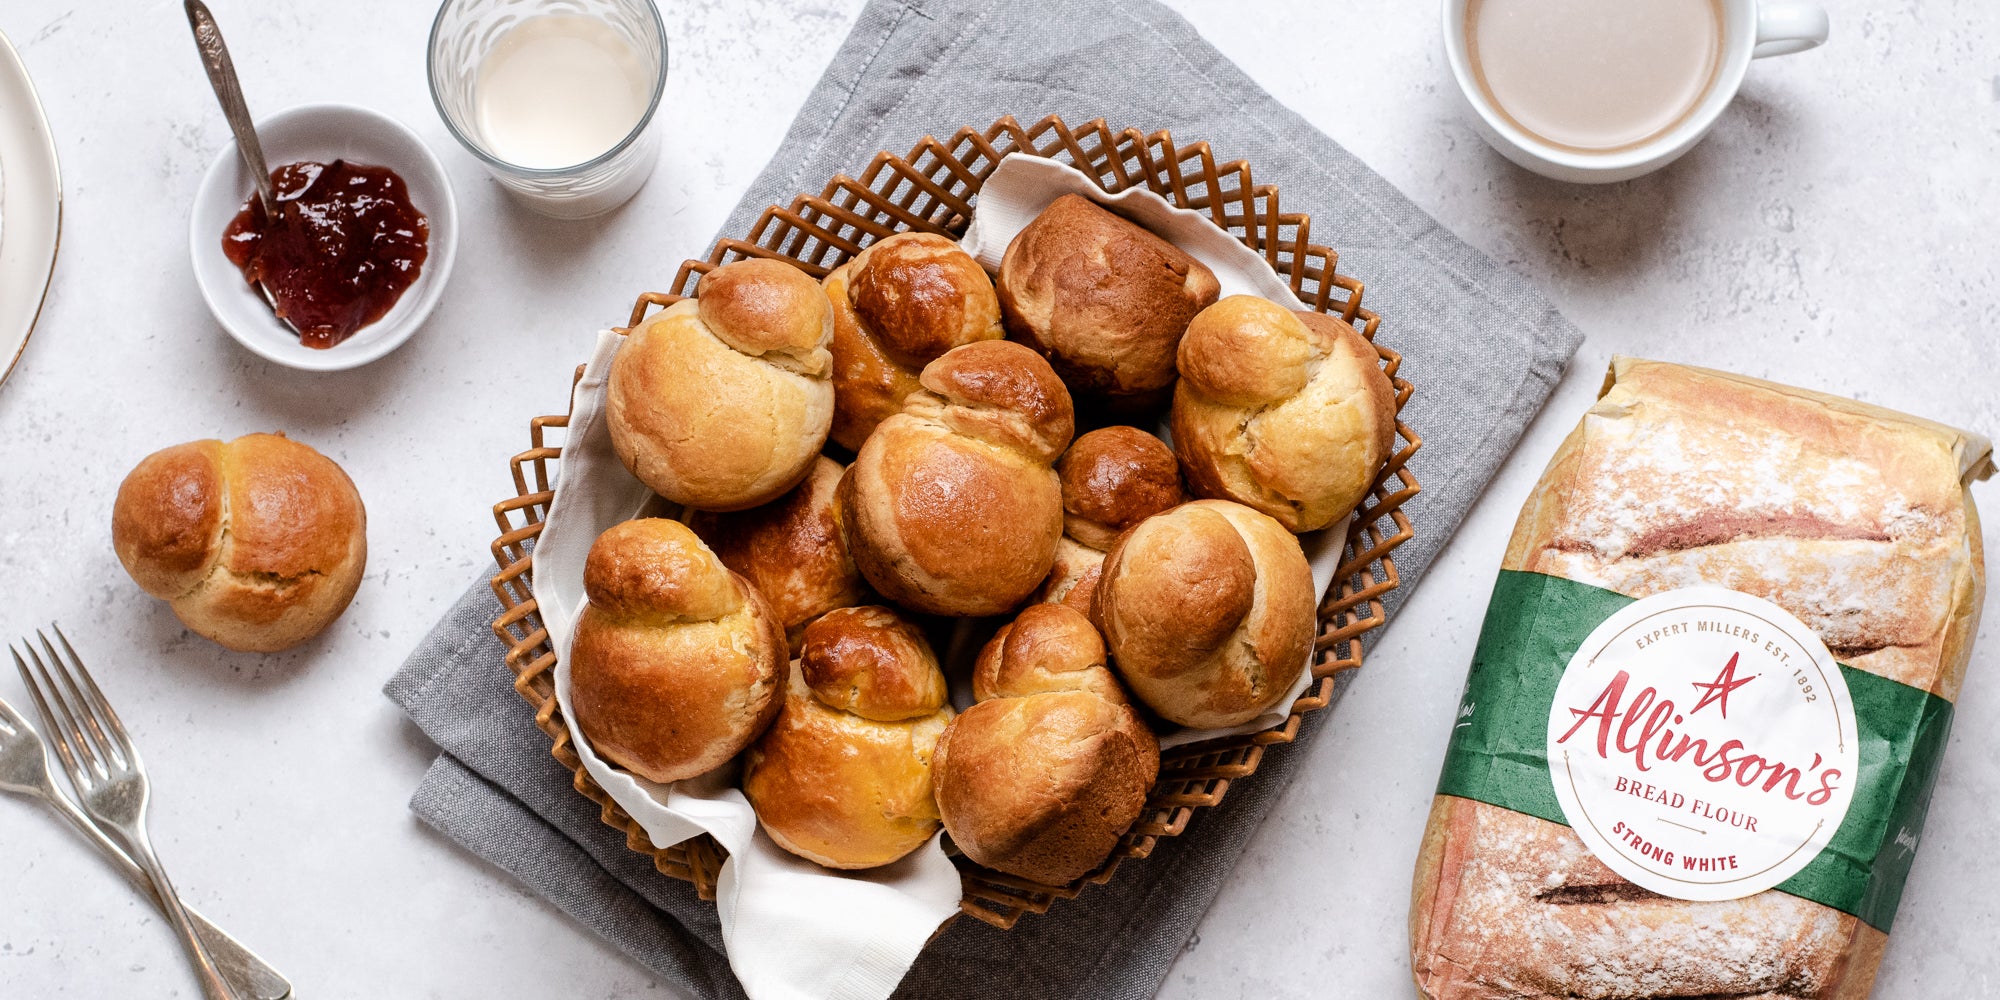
[
  {"x": 354, "y": 257},
  {"x": 344, "y": 245}
]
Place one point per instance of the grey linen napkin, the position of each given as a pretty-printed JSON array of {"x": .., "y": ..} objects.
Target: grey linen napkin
[{"x": 1483, "y": 348}]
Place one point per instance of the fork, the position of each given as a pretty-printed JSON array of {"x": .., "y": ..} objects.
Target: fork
[
  {"x": 105, "y": 770},
  {"x": 25, "y": 770}
]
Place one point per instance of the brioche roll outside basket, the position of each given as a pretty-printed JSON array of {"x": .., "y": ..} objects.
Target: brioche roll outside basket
[
  {"x": 677, "y": 663},
  {"x": 257, "y": 544},
  {"x": 843, "y": 777},
  {"x": 722, "y": 402},
  {"x": 1046, "y": 772},
  {"x": 791, "y": 550},
  {"x": 1208, "y": 610},
  {"x": 898, "y": 306},
  {"x": 1102, "y": 298},
  {"x": 1284, "y": 411},
  {"x": 1855, "y": 519},
  {"x": 1112, "y": 478},
  {"x": 952, "y": 506}
]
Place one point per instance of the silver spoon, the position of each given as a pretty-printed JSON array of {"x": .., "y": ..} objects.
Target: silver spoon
[{"x": 222, "y": 77}]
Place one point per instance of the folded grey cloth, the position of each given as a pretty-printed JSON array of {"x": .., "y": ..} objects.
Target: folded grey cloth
[{"x": 1483, "y": 348}]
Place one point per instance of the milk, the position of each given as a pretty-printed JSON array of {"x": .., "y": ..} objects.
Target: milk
[{"x": 558, "y": 90}]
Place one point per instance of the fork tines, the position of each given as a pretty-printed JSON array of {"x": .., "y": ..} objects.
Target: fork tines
[{"x": 85, "y": 729}]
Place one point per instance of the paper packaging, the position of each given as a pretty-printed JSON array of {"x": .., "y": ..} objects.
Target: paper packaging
[
  {"x": 794, "y": 929},
  {"x": 1718, "y": 668}
]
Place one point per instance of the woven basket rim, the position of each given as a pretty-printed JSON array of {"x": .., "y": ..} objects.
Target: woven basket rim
[{"x": 934, "y": 188}]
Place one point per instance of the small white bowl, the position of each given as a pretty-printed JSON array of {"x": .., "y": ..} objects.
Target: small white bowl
[{"x": 323, "y": 133}]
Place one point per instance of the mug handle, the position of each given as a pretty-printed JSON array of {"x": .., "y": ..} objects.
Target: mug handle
[{"x": 1785, "y": 28}]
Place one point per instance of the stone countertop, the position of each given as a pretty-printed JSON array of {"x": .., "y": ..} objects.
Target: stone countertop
[{"x": 1836, "y": 231}]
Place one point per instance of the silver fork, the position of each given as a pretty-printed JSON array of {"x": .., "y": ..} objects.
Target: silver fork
[
  {"x": 105, "y": 770},
  {"x": 25, "y": 770}
]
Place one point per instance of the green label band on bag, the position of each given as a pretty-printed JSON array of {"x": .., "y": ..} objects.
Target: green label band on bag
[{"x": 1796, "y": 736}]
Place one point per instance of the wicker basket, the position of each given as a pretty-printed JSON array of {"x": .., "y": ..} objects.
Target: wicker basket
[{"x": 932, "y": 189}]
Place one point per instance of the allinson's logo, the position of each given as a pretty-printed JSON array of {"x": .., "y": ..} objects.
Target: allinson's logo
[
  {"x": 1729, "y": 795},
  {"x": 1717, "y": 691},
  {"x": 1656, "y": 742}
]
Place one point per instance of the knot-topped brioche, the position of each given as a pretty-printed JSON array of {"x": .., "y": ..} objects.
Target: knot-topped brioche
[
  {"x": 920, "y": 295},
  {"x": 1048, "y": 770},
  {"x": 791, "y": 549},
  {"x": 723, "y": 402},
  {"x": 1047, "y": 647},
  {"x": 952, "y": 507},
  {"x": 1251, "y": 352},
  {"x": 769, "y": 309},
  {"x": 675, "y": 663},
  {"x": 897, "y": 306},
  {"x": 872, "y": 663},
  {"x": 257, "y": 544},
  {"x": 1003, "y": 394},
  {"x": 657, "y": 572},
  {"x": 1208, "y": 612},
  {"x": 1112, "y": 478},
  {"x": 843, "y": 777},
  {"x": 1284, "y": 411},
  {"x": 1105, "y": 300}
]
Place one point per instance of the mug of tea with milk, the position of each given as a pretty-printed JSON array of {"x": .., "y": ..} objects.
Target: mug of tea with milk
[{"x": 1595, "y": 91}]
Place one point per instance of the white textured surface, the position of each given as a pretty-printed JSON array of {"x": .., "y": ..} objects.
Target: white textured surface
[{"x": 1835, "y": 232}]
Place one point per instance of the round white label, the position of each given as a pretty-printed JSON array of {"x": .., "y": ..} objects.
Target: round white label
[{"x": 1702, "y": 744}]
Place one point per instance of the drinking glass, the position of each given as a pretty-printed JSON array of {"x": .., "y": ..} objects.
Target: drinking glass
[{"x": 461, "y": 38}]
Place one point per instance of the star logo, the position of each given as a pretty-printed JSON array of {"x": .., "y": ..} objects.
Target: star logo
[{"x": 1717, "y": 690}]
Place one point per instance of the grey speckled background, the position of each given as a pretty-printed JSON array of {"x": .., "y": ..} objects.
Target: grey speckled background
[{"x": 1837, "y": 231}]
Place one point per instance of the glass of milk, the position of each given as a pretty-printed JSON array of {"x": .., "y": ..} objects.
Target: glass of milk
[{"x": 553, "y": 96}]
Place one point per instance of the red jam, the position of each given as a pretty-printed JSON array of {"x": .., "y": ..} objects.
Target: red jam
[{"x": 346, "y": 245}]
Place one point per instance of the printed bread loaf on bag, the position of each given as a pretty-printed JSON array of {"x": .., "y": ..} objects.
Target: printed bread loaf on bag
[{"x": 1709, "y": 699}]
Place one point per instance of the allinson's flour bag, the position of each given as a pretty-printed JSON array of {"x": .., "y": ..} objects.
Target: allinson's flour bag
[{"x": 1705, "y": 715}]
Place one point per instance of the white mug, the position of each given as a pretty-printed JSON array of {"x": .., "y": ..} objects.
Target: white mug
[{"x": 1750, "y": 30}]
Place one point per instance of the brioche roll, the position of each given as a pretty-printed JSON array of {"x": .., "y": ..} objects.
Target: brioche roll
[
  {"x": 676, "y": 662},
  {"x": 1112, "y": 478},
  {"x": 952, "y": 506},
  {"x": 1208, "y": 610},
  {"x": 1103, "y": 299},
  {"x": 791, "y": 550},
  {"x": 898, "y": 306},
  {"x": 1043, "y": 776},
  {"x": 843, "y": 777},
  {"x": 722, "y": 402},
  {"x": 1287, "y": 412},
  {"x": 257, "y": 544}
]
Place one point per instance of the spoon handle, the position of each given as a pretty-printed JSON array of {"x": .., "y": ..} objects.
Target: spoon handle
[{"x": 222, "y": 77}]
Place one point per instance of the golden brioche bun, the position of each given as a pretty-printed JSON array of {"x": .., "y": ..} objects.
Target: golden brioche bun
[
  {"x": 1287, "y": 412},
  {"x": 1043, "y": 776},
  {"x": 1102, "y": 298},
  {"x": 722, "y": 402},
  {"x": 843, "y": 777},
  {"x": 952, "y": 507},
  {"x": 257, "y": 544},
  {"x": 676, "y": 662},
  {"x": 1208, "y": 610}
]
